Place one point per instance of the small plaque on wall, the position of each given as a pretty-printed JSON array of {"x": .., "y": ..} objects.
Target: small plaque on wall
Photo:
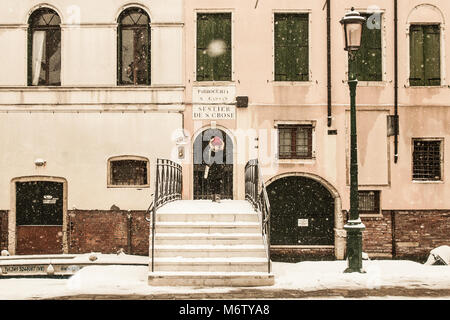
[{"x": 302, "y": 222}]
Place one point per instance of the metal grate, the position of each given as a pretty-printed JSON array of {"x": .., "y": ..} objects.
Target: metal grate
[
  {"x": 369, "y": 201},
  {"x": 129, "y": 172},
  {"x": 427, "y": 160}
]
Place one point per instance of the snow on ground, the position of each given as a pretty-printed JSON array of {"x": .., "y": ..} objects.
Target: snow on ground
[{"x": 306, "y": 276}]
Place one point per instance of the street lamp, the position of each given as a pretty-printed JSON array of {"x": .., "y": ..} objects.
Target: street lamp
[{"x": 352, "y": 24}]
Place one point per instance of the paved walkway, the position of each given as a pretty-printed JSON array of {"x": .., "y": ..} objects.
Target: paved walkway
[{"x": 252, "y": 294}]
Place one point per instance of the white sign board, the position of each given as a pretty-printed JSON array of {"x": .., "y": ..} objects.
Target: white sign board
[
  {"x": 302, "y": 222},
  {"x": 214, "y": 103},
  {"x": 209, "y": 112}
]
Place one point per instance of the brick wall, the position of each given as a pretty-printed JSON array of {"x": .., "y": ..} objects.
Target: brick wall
[
  {"x": 3, "y": 230},
  {"x": 107, "y": 231},
  {"x": 377, "y": 237},
  {"x": 418, "y": 232}
]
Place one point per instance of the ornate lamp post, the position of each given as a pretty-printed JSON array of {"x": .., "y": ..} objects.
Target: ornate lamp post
[{"x": 352, "y": 24}]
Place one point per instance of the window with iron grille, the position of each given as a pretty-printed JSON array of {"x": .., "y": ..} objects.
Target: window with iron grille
[
  {"x": 133, "y": 47},
  {"x": 425, "y": 55},
  {"x": 427, "y": 160},
  {"x": 214, "y": 47},
  {"x": 128, "y": 172},
  {"x": 295, "y": 141},
  {"x": 291, "y": 47},
  {"x": 369, "y": 202}
]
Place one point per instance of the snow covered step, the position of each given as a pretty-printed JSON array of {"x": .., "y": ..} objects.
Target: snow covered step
[
  {"x": 207, "y": 206},
  {"x": 247, "y": 264},
  {"x": 205, "y": 251},
  {"x": 207, "y": 238},
  {"x": 207, "y": 227},
  {"x": 217, "y": 217},
  {"x": 225, "y": 279}
]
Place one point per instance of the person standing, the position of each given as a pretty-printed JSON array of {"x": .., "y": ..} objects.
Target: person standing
[{"x": 214, "y": 170}]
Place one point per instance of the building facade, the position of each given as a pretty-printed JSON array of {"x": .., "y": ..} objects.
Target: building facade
[{"x": 158, "y": 79}]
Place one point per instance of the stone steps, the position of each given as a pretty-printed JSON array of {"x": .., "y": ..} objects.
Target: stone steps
[
  {"x": 199, "y": 243},
  {"x": 207, "y": 238}
]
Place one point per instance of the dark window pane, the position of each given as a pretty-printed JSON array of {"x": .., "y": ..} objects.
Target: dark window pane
[
  {"x": 134, "y": 47},
  {"x": 129, "y": 172},
  {"x": 369, "y": 201},
  {"x": 295, "y": 141},
  {"x": 44, "y": 48}
]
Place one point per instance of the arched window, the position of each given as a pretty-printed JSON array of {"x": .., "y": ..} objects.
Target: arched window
[
  {"x": 134, "y": 47},
  {"x": 44, "y": 48}
]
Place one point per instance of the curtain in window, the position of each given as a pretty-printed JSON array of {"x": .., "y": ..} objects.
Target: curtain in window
[{"x": 38, "y": 57}]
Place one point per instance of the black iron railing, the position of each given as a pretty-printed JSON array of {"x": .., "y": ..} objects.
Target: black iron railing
[
  {"x": 168, "y": 185},
  {"x": 256, "y": 194}
]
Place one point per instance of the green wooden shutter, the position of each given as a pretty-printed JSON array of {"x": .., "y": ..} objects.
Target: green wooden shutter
[
  {"x": 222, "y": 63},
  {"x": 300, "y": 44},
  {"x": 432, "y": 55},
  {"x": 214, "y": 26},
  {"x": 280, "y": 47},
  {"x": 368, "y": 59},
  {"x": 291, "y": 47},
  {"x": 416, "y": 50}
]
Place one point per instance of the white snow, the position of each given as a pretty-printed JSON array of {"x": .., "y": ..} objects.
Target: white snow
[
  {"x": 306, "y": 276},
  {"x": 207, "y": 206}
]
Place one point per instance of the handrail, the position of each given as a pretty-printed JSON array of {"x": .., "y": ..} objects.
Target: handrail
[
  {"x": 168, "y": 184},
  {"x": 256, "y": 194}
]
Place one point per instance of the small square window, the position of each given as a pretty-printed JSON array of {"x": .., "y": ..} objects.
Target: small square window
[
  {"x": 295, "y": 141},
  {"x": 369, "y": 202},
  {"x": 427, "y": 160},
  {"x": 128, "y": 172}
]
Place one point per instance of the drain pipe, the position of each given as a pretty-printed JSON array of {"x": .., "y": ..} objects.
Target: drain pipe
[
  {"x": 329, "y": 63},
  {"x": 396, "y": 120},
  {"x": 129, "y": 232}
]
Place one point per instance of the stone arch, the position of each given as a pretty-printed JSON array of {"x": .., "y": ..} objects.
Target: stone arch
[
  {"x": 425, "y": 13},
  {"x": 339, "y": 232},
  {"x": 44, "y": 5},
  {"x": 132, "y": 5}
]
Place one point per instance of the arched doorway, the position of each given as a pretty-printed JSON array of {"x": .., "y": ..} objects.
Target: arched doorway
[
  {"x": 302, "y": 212},
  {"x": 222, "y": 158}
]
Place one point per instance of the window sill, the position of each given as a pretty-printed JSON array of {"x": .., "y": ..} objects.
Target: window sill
[
  {"x": 297, "y": 161},
  {"x": 372, "y": 83},
  {"x": 213, "y": 83},
  {"x": 112, "y": 186},
  {"x": 370, "y": 215},
  {"x": 292, "y": 83},
  {"x": 427, "y": 87},
  {"x": 428, "y": 181}
]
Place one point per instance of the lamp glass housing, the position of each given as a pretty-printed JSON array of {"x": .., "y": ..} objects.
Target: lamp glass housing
[{"x": 352, "y": 25}]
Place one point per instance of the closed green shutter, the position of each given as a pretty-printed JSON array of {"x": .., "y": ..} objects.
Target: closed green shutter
[
  {"x": 425, "y": 55},
  {"x": 417, "y": 65},
  {"x": 213, "y": 26},
  {"x": 432, "y": 55},
  {"x": 368, "y": 59},
  {"x": 291, "y": 47}
]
